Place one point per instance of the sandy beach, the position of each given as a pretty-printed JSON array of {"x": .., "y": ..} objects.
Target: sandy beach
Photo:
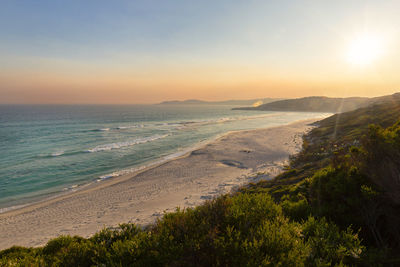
[{"x": 216, "y": 168}]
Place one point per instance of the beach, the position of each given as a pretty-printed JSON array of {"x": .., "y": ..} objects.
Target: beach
[{"x": 215, "y": 168}]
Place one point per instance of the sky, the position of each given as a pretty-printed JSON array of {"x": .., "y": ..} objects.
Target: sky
[{"x": 146, "y": 51}]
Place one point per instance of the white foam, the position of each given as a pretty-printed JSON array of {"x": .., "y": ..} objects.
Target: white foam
[
  {"x": 2, "y": 210},
  {"x": 178, "y": 125},
  {"x": 101, "y": 130},
  {"x": 121, "y": 172},
  {"x": 130, "y": 127},
  {"x": 159, "y": 161},
  {"x": 119, "y": 145},
  {"x": 58, "y": 153},
  {"x": 223, "y": 120},
  {"x": 72, "y": 187}
]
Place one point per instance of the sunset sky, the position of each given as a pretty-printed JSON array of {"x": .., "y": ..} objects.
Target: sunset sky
[{"x": 148, "y": 51}]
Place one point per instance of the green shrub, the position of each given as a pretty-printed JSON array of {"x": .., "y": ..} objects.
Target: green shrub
[
  {"x": 20, "y": 256},
  {"x": 329, "y": 245},
  {"x": 296, "y": 210},
  {"x": 69, "y": 251}
]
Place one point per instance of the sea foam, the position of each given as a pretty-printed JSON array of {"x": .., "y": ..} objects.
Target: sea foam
[
  {"x": 130, "y": 127},
  {"x": 119, "y": 145},
  {"x": 58, "y": 153},
  {"x": 101, "y": 130}
]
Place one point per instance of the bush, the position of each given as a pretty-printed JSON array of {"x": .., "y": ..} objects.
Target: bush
[
  {"x": 69, "y": 251},
  {"x": 329, "y": 245}
]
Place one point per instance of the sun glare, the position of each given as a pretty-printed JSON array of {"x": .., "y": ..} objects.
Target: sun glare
[{"x": 364, "y": 50}]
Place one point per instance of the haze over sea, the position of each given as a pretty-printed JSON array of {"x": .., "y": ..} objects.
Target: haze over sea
[{"x": 47, "y": 150}]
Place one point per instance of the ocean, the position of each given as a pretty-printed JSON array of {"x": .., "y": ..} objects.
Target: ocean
[{"x": 46, "y": 150}]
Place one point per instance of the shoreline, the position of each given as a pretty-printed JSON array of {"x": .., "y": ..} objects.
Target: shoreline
[
  {"x": 110, "y": 176},
  {"x": 203, "y": 171},
  {"x": 127, "y": 172}
]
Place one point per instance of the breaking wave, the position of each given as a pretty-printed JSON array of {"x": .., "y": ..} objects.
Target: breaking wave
[{"x": 119, "y": 145}]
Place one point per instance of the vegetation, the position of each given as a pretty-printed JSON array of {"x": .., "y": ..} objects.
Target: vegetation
[
  {"x": 348, "y": 173},
  {"x": 337, "y": 204},
  {"x": 237, "y": 230}
]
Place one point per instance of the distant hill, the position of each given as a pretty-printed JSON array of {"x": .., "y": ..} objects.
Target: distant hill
[
  {"x": 314, "y": 103},
  {"x": 319, "y": 104},
  {"x": 247, "y": 102}
]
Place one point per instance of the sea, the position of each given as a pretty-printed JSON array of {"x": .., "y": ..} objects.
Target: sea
[{"x": 47, "y": 150}]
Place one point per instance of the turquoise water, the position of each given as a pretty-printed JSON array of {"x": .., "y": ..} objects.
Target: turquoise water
[{"x": 45, "y": 150}]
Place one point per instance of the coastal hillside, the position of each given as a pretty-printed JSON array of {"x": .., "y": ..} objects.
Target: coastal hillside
[
  {"x": 336, "y": 204},
  {"x": 348, "y": 172},
  {"x": 318, "y": 104}
]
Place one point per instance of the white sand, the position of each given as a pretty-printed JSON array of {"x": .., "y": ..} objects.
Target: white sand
[{"x": 216, "y": 168}]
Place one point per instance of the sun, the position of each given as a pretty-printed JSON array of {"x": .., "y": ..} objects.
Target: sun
[{"x": 364, "y": 50}]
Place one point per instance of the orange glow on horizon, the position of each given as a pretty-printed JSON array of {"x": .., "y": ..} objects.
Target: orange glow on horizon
[
  {"x": 67, "y": 82},
  {"x": 44, "y": 88}
]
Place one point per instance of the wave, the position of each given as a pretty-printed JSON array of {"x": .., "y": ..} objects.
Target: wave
[
  {"x": 220, "y": 120},
  {"x": 72, "y": 187},
  {"x": 166, "y": 158},
  {"x": 58, "y": 153},
  {"x": 118, "y": 128},
  {"x": 121, "y": 172},
  {"x": 182, "y": 124},
  {"x": 101, "y": 130},
  {"x": 54, "y": 154},
  {"x": 119, "y": 145},
  {"x": 3, "y": 210},
  {"x": 129, "y": 127},
  {"x": 178, "y": 125}
]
